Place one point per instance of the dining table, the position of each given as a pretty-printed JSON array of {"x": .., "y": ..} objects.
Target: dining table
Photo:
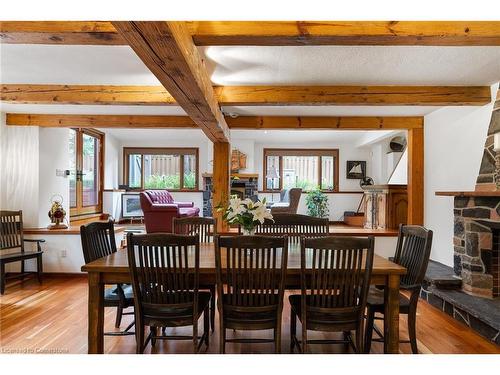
[{"x": 114, "y": 269}]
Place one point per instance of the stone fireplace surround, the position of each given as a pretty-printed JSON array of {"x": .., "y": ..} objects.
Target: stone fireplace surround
[{"x": 476, "y": 243}]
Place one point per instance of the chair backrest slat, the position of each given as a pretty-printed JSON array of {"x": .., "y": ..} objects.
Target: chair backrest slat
[
  {"x": 335, "y": 272},
  {"x": 413, "y": 252},
  {"x": 252, "y": 269},
  {"x": 164, "y": 268},
  {"x": 11, "y": 230},
  {"x": 98, "y": 240},
  {"x": 204, "y": 227}
]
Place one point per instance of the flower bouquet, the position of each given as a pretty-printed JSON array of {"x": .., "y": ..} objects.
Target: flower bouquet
[{"x": 246, "y": 213}]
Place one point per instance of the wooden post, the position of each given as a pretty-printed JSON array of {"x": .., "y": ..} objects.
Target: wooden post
[
  {"x": 220, "y": 181},
  {"x": 416, "y": 176}
]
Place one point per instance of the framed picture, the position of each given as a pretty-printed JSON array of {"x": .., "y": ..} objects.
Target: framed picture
[
  {"x": 131, "y": 205},
  {"x": 356, "y": 169}
]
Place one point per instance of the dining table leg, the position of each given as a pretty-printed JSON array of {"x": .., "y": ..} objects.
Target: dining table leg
[
  {"x": 391, "y": 315},
  {"x": 96, "y": 314}
]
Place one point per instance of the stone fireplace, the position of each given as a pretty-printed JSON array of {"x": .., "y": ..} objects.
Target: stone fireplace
[
  {"x": 476, "y": 244},
  {"x": 477, "y": 223}
]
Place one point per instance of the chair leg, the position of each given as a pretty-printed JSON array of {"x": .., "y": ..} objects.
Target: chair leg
[
  {"x": 412, "y": 331},
  {"x": 212, "y": 308},
  {"x": 304, "y": 338},
  {"x": 346, "y": 335},
  {"x": 359, "y": 338},
  {"x": 277, "y": 338},
  {"x": 370, "y": 318},
  {"x": 195, "y": 336},
  {"x": 293, "y": 330},
  {"x": 2, "y": 278},
  {"x": 153, "y": 332},
  {"x": 22, "y": 269},
  {"x": 39, "y": 268},
  {"x": 206, "y": 324},
  {"x": 139, "y": 337},
  {"x": 222, "y": 339},
  {"x": 119, "y": 314}
]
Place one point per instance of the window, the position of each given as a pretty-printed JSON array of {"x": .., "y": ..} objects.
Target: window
[
  {"x": 161, "y": 168},
  {"x": 303, "y": 168},
  {"x": 86, "y": 174}
]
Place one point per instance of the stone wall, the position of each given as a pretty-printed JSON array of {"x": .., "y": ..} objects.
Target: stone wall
[
  {"x": 489, "y": 170},
  {"x": 476, "y": 220}
]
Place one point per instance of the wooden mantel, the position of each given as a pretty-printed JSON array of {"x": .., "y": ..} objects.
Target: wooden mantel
[{"x": 468, "y": 193}]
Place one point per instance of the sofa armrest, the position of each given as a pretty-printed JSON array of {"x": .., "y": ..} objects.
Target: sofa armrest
[
  {"x": 166, "y": 207},
  {"x": 184, "y": 204}
]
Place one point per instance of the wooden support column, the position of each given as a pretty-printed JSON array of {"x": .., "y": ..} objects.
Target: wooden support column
[
  {"x": 416, "y": 176},
  {"x": 220, "y": 181}
]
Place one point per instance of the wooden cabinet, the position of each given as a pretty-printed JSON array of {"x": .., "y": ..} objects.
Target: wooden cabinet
[{"x": 385, "y": 206}]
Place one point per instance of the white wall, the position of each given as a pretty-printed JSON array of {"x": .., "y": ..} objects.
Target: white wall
[
  {"x": 19, "y": 165},
  {"x": 454, "y": 141},
  {"x": 53, "y": 149},
  {"x": 112, "y": 153}
]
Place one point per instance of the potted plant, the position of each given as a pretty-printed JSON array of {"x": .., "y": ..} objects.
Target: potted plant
[
  {"x": 317, "y": 203},
  {"x": 246, "y": 213}
]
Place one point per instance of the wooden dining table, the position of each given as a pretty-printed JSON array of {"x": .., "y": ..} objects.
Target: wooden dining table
[{"x": 114, "y": 269}]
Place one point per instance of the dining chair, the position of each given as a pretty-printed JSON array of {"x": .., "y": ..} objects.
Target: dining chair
[
  {"x": 250, "y": 276},
  {"x": 206, "y": 229},
  {"x": 295, "y": 226},
  {"x": 412, "y": 252},
  {"x": 12, "y": 247},
  {"x": 98, "y": 241},
  {"x": 334, "y": 277},
  {"x": 165, "y": 270}
]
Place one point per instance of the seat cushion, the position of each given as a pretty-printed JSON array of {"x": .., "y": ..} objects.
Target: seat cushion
[
  {"x": 189, "y": 211},
  {"x": 376, "y": 299}
]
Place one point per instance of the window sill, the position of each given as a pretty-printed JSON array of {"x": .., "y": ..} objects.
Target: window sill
[{"x": 169, "y": 190}]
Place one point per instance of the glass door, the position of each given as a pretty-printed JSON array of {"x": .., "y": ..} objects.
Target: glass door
[{"x": 86, "y": 171}]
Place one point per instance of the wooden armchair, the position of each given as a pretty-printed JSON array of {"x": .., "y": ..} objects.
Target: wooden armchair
[
  {"x": 206, "y": 229},
  {"x": 250, "y": 274},
  {"x": 12, "y": 237},
  {"x": 335, "y": 278},
  {"x": 165, "y": 276},
  {"x": 412, "y": 252},
  {"x": 98, "y": 241}
]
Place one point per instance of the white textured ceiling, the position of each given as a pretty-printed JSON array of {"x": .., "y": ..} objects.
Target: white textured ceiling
[
  {"x": 259, "y": 136},
  {"x": 92, "y": 109},
  {"x": 306, "y": 65},
  {"x": 354, "y": 65}
]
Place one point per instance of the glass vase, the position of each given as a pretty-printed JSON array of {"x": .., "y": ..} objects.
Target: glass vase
[{"x": 248, "y": 231}]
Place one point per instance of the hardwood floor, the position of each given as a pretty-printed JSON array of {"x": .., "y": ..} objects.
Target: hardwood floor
[{"x": 52, "y": 318}]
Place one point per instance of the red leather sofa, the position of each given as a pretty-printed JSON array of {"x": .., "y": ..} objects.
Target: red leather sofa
[{"x": 159, "y": 210}]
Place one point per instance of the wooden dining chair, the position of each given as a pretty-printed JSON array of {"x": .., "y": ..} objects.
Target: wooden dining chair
[
  {"x": 295, "y": 226},
  {"x": 206, "y": 229},
  {"x": 250, "y": 274},
  {"x": 412, "y": 252},
  {"x": 165, "y": 271},
  {"x": 12, "y": 247},
  {"x": 334, "y": 277},
  {"x": 98, "y": 241}
]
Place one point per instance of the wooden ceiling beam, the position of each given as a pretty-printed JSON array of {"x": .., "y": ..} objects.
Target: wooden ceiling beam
[
  {"x": 86, "y": 94},
  {"x": 271, "y": 33},
  {"x": 242, "y": 122},
  {"x": 167, "y": 49},
  {"x": 354, "y": 95},
  {"x": 252, "y": 95}
]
